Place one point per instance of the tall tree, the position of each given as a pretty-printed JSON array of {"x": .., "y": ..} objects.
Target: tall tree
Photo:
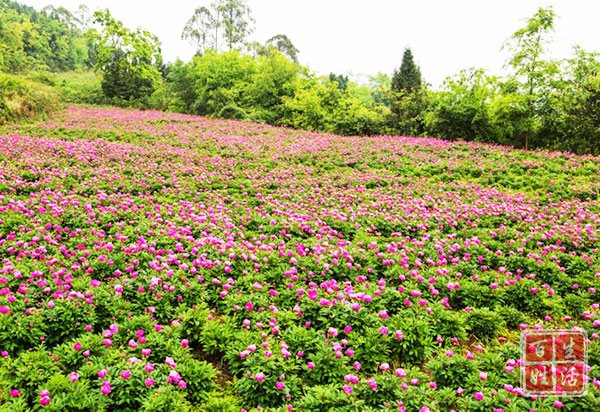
[
  {"x": 408, "y": 78},
  {"x": 407, "y": 98},
  {"x": 235, "y": 20},
  {"x": 227, "y": 20},
  {"x": 199, "y": 30},
  {"x": 528, "y": 47},
  {"x": 83, "y": 17}
]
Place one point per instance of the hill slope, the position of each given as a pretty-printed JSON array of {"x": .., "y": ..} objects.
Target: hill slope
[{"x": 146, "y": 250}]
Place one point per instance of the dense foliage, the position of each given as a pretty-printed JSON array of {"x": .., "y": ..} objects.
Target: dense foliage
[
  {"x": 156, "y": 261},
  {"x": 128, "y": 59},
  {"x": 51, "y": 39},
  {"x": 541, "y": 103}
]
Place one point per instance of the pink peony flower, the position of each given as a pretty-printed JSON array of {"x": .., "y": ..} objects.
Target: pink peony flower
[{"x": 105, "y": 387}]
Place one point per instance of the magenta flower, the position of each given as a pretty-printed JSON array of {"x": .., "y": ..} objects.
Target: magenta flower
[
  {"x": 372, "y": 383},
  {"x": 259, "y": 376},
  {"x": 170, "y": 361},
  {"x": 105, "y": 387}
]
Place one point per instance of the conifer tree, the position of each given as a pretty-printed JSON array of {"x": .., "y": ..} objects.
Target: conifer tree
[{"x": 408, "y": 78}]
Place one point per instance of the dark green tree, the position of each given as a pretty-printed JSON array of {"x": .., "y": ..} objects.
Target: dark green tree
[
  {"x": 340, "y": 80},
  {"x": 407, "y": 98},
  {"x": 408, "y": 77},
  {"x": 577, "y": 106}
]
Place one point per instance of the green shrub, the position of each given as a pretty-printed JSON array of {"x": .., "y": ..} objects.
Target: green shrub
[
  {"x": 451, "y": 372},
  {"x": 200, "y": 377},
  {"x": 512, "y": 317},
  {"x": 81, "y": 87},
  {"x": 218, "y": 402},
  {"x": 327, "y": 398},
  {"x": 484, "y": 323}
]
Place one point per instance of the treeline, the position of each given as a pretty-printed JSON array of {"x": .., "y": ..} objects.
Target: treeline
[
  {"x": 53, "y": 39},
  {"x": 542, "y": 103}
]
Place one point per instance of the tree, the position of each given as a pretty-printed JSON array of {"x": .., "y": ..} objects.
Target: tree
[
  {"x": 340, "y": 80},
  {"x": 380, "y": 86},
  {"x": 235, "y": 20},
  {"x": 408, "y": 78},
  {"x": 577, "y": 110},
  {"x": 528, "y": 47},
  {"x": 83, "y": 17},
  {"x": 284, "y": 45},
  {"x": 199, "y": 30},
  {"x": 275, "y": 79},
  {"x": 219, "y": 81},
  {"x": 129, "y": 60},
  {"x": 49, "y": 39},
  {"x": 227, "y": 20},
  {"x": 461, "y": 109},
  {"x": 407, "y": 98}
]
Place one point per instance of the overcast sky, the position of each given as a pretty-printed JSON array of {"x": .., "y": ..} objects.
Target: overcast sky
[{"x": 368, "y": 36}]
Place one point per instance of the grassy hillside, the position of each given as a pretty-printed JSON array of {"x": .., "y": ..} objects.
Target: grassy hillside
[{"x": 23, "y": 99}]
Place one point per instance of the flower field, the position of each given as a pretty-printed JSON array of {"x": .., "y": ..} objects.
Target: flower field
[{"x": 155, "y": 262}]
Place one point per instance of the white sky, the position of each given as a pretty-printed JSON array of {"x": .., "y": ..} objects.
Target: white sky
[{"x": 369, "y": 36}]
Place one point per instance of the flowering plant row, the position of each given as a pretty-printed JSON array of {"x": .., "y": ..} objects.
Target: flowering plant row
[{"x": 155, "y": 261}]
